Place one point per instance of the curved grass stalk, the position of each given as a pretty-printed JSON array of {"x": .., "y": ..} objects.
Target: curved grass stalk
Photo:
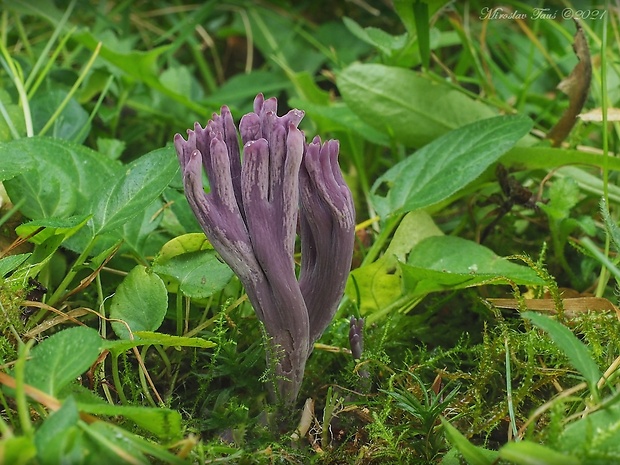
[
  {"x": 72, "y": 91},
  {"x": 14, "y": 71},
  {"x": 32, "y": 88}
]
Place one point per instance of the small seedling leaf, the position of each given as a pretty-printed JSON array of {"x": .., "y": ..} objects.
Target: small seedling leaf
[{"x": 141, "y": 301}]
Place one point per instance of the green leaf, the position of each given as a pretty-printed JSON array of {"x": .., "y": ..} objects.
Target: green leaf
[
  {"x": 377, "y": 285},
  {"x": 143, "y": 181},
  {"x": 563, "y": 196},
  {"x": 58, "y": 438},
  {"x": 162, "y": 422},
  {"x": 140, "y": 301},
  {"x": 198, "y": 274},
  {"x": 12, "y": 126},
  {"x": 11, "y": 262},
  {"x": 61, "y": 358},
  {"x": 447, "y": 164},
  {"x": 65, "y": 227},
  {"x": 613, "y": 231},
  {"x": 193, "y": 265},
  {"x": 531, "y": 453},
  {"x": 17, "y": 450},
  {"x": 149, "y": 337},
  {"x": 117, "y": 445},
  {"x": 594, "y": 438},
  {"x": 576, "y": 351},
  {"x": 441, "y": 263},
  {"x": 408, "y": 107},
  {"x": 473, "y": 455},
  {"x": 64, "y": 178}
]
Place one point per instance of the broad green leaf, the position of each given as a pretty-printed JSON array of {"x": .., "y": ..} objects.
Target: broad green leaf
[
  {"x": 473, "y": 455},
  {"x": 61, "y": 358},
  {"x": 149, "y": 337},
  {"x": 140, "y": 301},
  {"x": 65, "y": 176},
  {"x": 447, "y": 262},
  {"x": 17, "y": 450},
  {"x": 198, "y": 274},
  {"x": 58, "y": 438},
  {"x": 379, "y": 283},
  {"x": 65, "y": 227},
  {"x": 164, "y": 423},
  {"x": 531, "y": 453},
  {"x": 192, "y": 264},
  {"x": 192, "y": 242},
  {"x": 576, "y": 351},
  {"x": 446, "y": 165},
  {"x": 594, "y": 438},
  {"x": 14, "y": 162},
  {"x": 406, "y": 106},
  {"x": 11, "y": 262},
  {"x": 141, "y": 183}
]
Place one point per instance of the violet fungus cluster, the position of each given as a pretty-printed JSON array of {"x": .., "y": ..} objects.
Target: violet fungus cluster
[{"x": 251, "y": 215}]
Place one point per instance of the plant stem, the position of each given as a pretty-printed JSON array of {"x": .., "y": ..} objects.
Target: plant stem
[{"x": 57, "y": 295}]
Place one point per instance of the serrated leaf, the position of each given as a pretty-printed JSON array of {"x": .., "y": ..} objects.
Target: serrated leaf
[
  {"x": 141, "y": 183},
  {"x": 140, "y": 302},
  {"x": 150, "y": 337},
  {"x": 446, "y": 165}
]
